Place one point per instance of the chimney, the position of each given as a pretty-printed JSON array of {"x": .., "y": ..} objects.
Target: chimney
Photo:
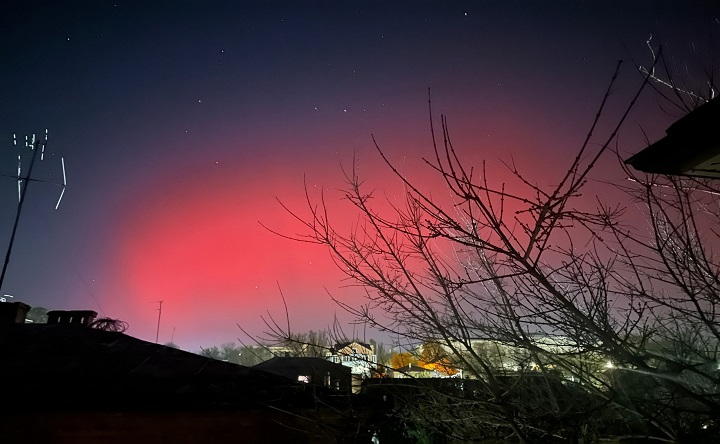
[
  {"x": 75, "y": 317},
  {"x": 13, "y": 312}
]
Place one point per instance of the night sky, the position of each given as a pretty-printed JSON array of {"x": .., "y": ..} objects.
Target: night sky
[{"x": 181, "y": 122}]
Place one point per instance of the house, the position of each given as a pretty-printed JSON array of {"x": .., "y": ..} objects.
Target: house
[
  {"x": 359, "y": 356},
  {"x": 68, "y": 383},
  {"x": 316, "y": 371},
  {"x": 690, "y": 148}
]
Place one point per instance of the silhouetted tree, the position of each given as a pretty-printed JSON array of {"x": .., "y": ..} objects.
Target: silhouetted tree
[
  {"x": 383, "y": 353},
  {"x": 241, "y": 355},
  {"x": 211, "y": 352},
  {"x": 37, "y": 315},
  {"x": 542, "y": 272},
  {"x": 252, "y": 355},
  {"x": 109, "y": 324},
  {"x": 402, "y": 359},
  {"x": 313, "y": 343}
]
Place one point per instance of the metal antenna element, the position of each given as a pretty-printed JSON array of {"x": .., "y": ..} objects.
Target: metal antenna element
[
  {"x": 35, "y": 145},
  {"x": 64, "y": 183},
  {"x": 157, "y": 332}
]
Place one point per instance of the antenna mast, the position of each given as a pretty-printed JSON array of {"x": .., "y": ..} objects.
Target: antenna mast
[{"x": 35, "y": 146}]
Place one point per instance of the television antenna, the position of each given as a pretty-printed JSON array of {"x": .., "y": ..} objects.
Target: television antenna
[{"x": 35, "y": 145}]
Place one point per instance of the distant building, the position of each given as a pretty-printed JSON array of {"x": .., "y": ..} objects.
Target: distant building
[{"x": 359, "y": 356}]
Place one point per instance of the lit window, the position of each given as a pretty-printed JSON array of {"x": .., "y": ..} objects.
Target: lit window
[{"x": 304, "y": 378}]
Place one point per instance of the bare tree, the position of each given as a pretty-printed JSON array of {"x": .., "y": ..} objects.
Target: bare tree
[
  {"x": 313, "y": 343},
  {"x": 383, "y": 354},
  {"x": 247, "y": 355},
  {"x": 37, "y": 315},
  {"x": 211, "y": 352},
  {"x": 611, "y": 318}
]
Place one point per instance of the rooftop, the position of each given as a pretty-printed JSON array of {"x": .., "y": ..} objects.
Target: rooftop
[
  {"x": 67, "y": 365},
  {"x": 690, "y": 148}
]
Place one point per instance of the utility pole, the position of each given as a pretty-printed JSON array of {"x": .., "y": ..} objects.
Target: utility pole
[{"x": 157, "y": 332}]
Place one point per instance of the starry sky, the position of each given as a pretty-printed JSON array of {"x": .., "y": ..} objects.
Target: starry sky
[{"x": 181, "y": 124}]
